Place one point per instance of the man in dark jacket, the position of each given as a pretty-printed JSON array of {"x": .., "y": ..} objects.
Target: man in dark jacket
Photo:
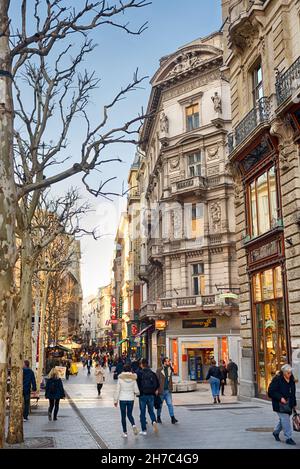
[
  {"x": 232, "y": 369},
  {"x": 148, "y": 384},
  {"x": 164, "y": 375},
  {"x": 88, "y": 365},
  {"x": 282, "y": 391},
  {"x": 28, "y": 383}
]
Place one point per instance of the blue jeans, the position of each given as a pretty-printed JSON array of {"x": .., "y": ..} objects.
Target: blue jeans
[
  {"x": 284, "y": 424},
  {"x": 146, "y": 402},
  {"x": 126, "y": 408},
  {"x": 215, "y": 386},
  {"x": 166, "y": 396}
]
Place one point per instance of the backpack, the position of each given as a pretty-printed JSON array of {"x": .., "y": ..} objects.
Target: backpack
[{"x": 148, "y": 382}]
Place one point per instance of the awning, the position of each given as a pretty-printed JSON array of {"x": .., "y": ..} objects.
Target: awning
[
  {"x": 228, "y": 295},
  {"x": 60, "y": 347},
  {"x": 71, "y": 346},
  {"x": 143, "y": 330},
  {"x": 121, "y": 341}
]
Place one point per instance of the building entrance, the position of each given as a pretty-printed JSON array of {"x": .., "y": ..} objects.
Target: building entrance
[{"x": 199, "y": 363}]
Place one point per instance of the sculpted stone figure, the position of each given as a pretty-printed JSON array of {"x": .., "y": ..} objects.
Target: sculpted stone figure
[
  {"x": 164, "y": 123},
  {"x": 217, "y": 102},
  {"x": 215, "y": 212}
]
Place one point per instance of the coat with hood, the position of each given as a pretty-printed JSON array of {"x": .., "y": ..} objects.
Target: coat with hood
[{"x": 127, "y": 387}]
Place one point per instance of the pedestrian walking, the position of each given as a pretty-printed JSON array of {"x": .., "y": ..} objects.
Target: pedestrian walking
[
  {"x": 232, "y": 369},
  {"x": 110, "y": 364},
  {"x": 148, "y": 385},
  {"x": 214, "y": 377},
  {"x": 100, "y": 377},
  {"x": 54, "y": 392},
  {"x": 29, "y": 384},
  {"x": 224, "y": 373},
  {"x": 68, "y": 368},
  {"x": 164, "y": 375},
  {"x": 282, "y": 391},
  {"x": 126, "y": 390},
  {"x": 119, "y": 368},
  {"x": 89, "y": 364}
]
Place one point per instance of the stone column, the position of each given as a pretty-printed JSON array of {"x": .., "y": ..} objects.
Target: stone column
[
  {"x": 184, "y": 275},
  {"x": 168, "y": 276}
]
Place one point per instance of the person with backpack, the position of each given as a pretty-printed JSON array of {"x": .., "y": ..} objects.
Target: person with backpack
[
  {"x": 148, "y": 386},
  {"x": 127, "y": 388},
  {"x": 54, "y": 392},
  {"x": 282, "y": 391},
  {"x": 164, "y": 375}
]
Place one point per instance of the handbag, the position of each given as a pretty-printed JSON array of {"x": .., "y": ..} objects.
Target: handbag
[
  {"x": 296, "y": 422},
  {"x": 284, "y": 409},
  {"x": 157, "y": 402}
]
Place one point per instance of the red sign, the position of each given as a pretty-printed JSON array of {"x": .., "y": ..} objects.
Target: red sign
[{"x": 134, "y": 329}]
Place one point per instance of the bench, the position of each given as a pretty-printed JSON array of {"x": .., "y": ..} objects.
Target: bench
[{"x": 33, "y": 398}]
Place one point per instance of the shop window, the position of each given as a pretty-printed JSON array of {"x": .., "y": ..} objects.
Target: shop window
[
  {"x": 257, "y": 83},
  {"x": 197, "y": 228},
  {"x": 194, "y": 164},
  {"x": 270, "y": 329},
  {"x": 192, "y": 117},
  {"x": 198, "y": 279},
  {"x": 263, "y": 208}
]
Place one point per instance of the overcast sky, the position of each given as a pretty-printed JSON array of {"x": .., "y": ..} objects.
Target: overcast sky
[{"x": 172, "y": 23}]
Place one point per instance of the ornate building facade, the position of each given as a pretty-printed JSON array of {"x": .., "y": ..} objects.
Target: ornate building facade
[
  {"x": 263, "y": 62},
  {"x": 188, "y": 258}
]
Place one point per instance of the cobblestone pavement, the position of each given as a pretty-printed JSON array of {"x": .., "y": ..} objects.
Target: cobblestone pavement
[{"x": 86, "y": 421}]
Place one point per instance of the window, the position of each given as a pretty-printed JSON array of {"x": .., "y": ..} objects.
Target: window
[
  {"x": 194, "y": 164},
  {"x": 192, "y": 117},
  {"x": 198, "y": 279},
  {"x": 262, "y": 193},
  {"x": 257, "y": 84},
  {"x": 270, "y": 329},
  {"x": 197, "y": 220}
]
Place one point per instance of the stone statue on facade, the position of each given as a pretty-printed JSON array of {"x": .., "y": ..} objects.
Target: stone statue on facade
[
  {"x": 215, "y": 212},
  {"x": 216, "y": 99},
  {"x": 164, "y": 123}
]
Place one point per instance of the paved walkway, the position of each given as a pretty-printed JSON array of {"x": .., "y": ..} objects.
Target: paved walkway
[{"x": 86, "y": 421}]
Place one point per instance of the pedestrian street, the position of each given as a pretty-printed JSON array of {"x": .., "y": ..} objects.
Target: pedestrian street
[{"x": 87, "y": 421}]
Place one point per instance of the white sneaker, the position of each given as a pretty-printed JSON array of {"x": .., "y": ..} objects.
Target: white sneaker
[
  {"x": 124, "y": 435},
  {"x": 143, "y": 433},
  {"x": 135, "y": 430},
  {"x": 25, "y": 420}
]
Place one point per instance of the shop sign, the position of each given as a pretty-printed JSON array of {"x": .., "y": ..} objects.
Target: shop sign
[
  {"x": 137, "y": 340},
  {"x": 113, "y": 308},
  {"x": 160, "y": 325},
  {"x": 264, "y": 251},
  {"x": 114, "y": 321},
  {"x": 134, "y": 329},
  {"x": 199, "y": 323}
]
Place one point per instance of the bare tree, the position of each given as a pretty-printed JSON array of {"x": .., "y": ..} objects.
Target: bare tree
[{"x": 42, "y": 26}]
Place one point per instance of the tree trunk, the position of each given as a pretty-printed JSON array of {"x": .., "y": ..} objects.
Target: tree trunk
[
  {"x": 37, "y": 309},
  {"x": 42, "y": 333},
  {"x": 15, "y": 427},
  {"x": 7, "y": 207}
]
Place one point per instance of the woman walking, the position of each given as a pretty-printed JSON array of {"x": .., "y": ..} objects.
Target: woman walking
[
  {"x": 100, "y": 377},
  {"x": 282, "y": 391},
  {"x": 54, "y": 392},
  {"x": 127, "y": 388},
  {"x": 214, "y": 377},
  {"x": 224, "y": 373}
]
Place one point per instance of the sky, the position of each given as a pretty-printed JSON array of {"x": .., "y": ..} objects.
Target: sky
[{"x": 171, "y": 24}]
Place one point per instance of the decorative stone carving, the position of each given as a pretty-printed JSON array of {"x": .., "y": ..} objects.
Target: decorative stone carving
[
  {"x": 174, "y": 163},
  {"x": 191, "y": 85},
  {"x": 213, "y": 171},
  {"x": 164, "y": 123},
  {"x": 216, "y": 99},
  {"x": 283, "y": 130},
  {"x": 187, "y": 61},
  {"x": 212, "y": 153},
  {"x": 215, "y": 216}
]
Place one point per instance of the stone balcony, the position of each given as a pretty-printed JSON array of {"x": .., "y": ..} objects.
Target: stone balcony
[
  {"x": 148, "y": 310},
  {"x": 183, "y": 302},
  {"x": 189, "y": 185},
  {"x": 133, "y": 195}
]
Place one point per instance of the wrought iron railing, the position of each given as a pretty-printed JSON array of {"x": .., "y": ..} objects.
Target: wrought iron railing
[
  {"x": 288, "y": 82},
  {"x": 258, "y": 115}
]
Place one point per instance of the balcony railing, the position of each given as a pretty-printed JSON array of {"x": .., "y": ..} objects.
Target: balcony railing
[
  {"x": 258, "y": 115},
  {"x": 208, "y": 300},
  {"x": 185, "y": 185},
  {"x": 288, "y": 83}
]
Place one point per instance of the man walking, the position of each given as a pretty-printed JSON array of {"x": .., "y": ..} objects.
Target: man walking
[
  {"x": 148, "y": 386},
  {"x": 232, "y": 369},
  {"x": 88, "y": 365},
  {"x": 28, "y": 382},
  {"x": 164, "y": 375}
]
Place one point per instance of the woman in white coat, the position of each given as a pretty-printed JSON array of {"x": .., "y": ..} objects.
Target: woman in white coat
[
  {"x": 127, "y": 388},
  {"x": 100, "y": 377}
]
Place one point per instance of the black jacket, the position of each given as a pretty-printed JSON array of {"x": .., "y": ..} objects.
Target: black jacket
[
  {"x": 215, "y": 372},
  {"x": 140, "y": 379},
  {"x": 28, "y": 381},
  {"x": 224, "y": 372},
  {"x": 279, "y": 388},
  {"x": 232, "y": 369},
  {"x": 54, "y": 389}
]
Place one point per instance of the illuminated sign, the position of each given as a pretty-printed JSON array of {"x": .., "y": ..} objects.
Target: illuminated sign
[
  {"x": 199, "y": 323},
  {"x": 160, "y": 325}
]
